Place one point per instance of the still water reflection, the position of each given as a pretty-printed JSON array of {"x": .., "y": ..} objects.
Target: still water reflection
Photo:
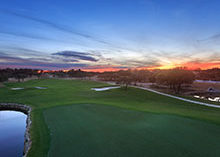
[{"x": 12, "y": 130}]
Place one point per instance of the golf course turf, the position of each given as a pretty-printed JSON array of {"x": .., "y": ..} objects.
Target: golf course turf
[{"x": 70, "y": 119}]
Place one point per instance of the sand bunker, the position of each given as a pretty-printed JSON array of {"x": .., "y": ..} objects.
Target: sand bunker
[
  {"x": 40, "y": 87},
  {"x": 17, "y": 88},
  {"x": 105, "y": 88},
  {"x": 31, "y": 87},
  {"x": 215, "y": 99}
]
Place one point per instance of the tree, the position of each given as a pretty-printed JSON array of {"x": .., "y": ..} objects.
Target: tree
[
  {"x": 175, "y": 78},
  {"x": 3, "y": 77},
  {"x": 209, "y": 74},
  {"x": 124, "y": 78},
  {"x": 140, "y": 76},
  {"x": 20, "y": 74},
  {"x": 5, "y": 74}
]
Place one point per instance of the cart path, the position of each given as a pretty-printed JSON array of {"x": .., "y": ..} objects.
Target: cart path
[{"x": 179, "y": 98}]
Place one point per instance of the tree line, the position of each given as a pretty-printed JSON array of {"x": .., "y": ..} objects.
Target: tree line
[
  {"x": 209, "y": 74},
  {"x": 21, "y": 74},
  {"x": 172, "y": 78}
]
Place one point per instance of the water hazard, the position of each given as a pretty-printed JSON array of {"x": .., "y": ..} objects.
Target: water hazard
[{"x": 12, "y": 130}]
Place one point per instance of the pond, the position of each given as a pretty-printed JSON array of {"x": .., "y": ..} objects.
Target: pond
[{"x": 12, "y": 130}]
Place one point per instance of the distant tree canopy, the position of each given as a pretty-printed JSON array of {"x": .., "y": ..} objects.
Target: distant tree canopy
[
  {"x": 124, "y": 78},
  {"x": 210, "y": 74},
  {"x": 80, "y": 73},
  {"x": 5, "y": 74},
  {"x": 140, "y": 76},
  {"x": 3, "y": 77},
  {"x": 19, "y": 74},
  {"x": 134, "y": 75},
  {"x": 175, "y": 78}
]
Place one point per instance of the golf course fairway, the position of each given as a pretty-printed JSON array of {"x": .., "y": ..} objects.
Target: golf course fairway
[{"x": 69, "y": 119}]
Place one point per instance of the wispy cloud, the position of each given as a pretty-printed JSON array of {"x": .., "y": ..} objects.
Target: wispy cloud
[
  {"x": 132, "y": 63},
  {"x": 211, "y": 38},
  {"x": 103, "y": 68},
  {"x": 59, "y": 27},
  {"x": 10, "y": 61},
  {"x": 76, "y": 55},
  {"x": 21, "y": 50},
  {"x": 25, "y": 35},
  {"x": 63, "y": 28},
  {"x": 46, "y": 22},
  {"x": 69, "y": 60}
]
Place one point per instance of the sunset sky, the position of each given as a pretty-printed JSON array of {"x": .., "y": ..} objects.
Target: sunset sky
[{"x": 109, "y": 34}]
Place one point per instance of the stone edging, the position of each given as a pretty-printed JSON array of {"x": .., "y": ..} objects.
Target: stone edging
[{"x": 26, "y": 110}]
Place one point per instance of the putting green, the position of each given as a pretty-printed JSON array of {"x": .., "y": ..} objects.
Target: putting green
[{"x": 105, "y": 131}]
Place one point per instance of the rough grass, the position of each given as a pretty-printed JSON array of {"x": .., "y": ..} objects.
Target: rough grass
[{"x": 69, "y": 92}]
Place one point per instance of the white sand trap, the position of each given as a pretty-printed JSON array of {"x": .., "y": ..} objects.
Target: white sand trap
[
  {"x": 17, "y": 88},
  {"x": 105, "y": 88},
  {"x": 40, "y": 87},
  {"x": 216, "y": 99}
]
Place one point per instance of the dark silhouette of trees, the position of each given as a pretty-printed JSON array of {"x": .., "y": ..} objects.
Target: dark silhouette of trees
[
  {"x": 5, "y": 74},
  {"x": 3, "y": 77},
  {"x": 209, "y": 74},
  {"x": 19, "y": 74},
  {"x": 132, "y": 76},
  {"x": 140, "y": 76},
  {"x": 124, "y": 78},
  {"x": 153, "y": 77},
  {"x": 79, "y": 73},
  {"x": 175, "y": 78}
]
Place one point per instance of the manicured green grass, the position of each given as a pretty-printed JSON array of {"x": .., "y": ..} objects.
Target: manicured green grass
[
  {"x": 69, "y": 92},
  {"x": 99, "y": 130}
]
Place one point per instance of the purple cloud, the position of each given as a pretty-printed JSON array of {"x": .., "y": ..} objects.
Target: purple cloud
[{"x": 76, "y": 55}]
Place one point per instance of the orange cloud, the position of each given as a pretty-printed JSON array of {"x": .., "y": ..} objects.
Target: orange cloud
[
  {"x": 201, "y": 65},
  {"x": 189, "y": 65}
]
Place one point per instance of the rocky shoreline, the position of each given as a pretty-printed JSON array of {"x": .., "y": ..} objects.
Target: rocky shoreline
[{"x": 26, "y": 110}]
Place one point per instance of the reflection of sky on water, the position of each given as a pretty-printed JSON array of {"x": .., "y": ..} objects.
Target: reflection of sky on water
[{"x": 12, "y": 129}]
